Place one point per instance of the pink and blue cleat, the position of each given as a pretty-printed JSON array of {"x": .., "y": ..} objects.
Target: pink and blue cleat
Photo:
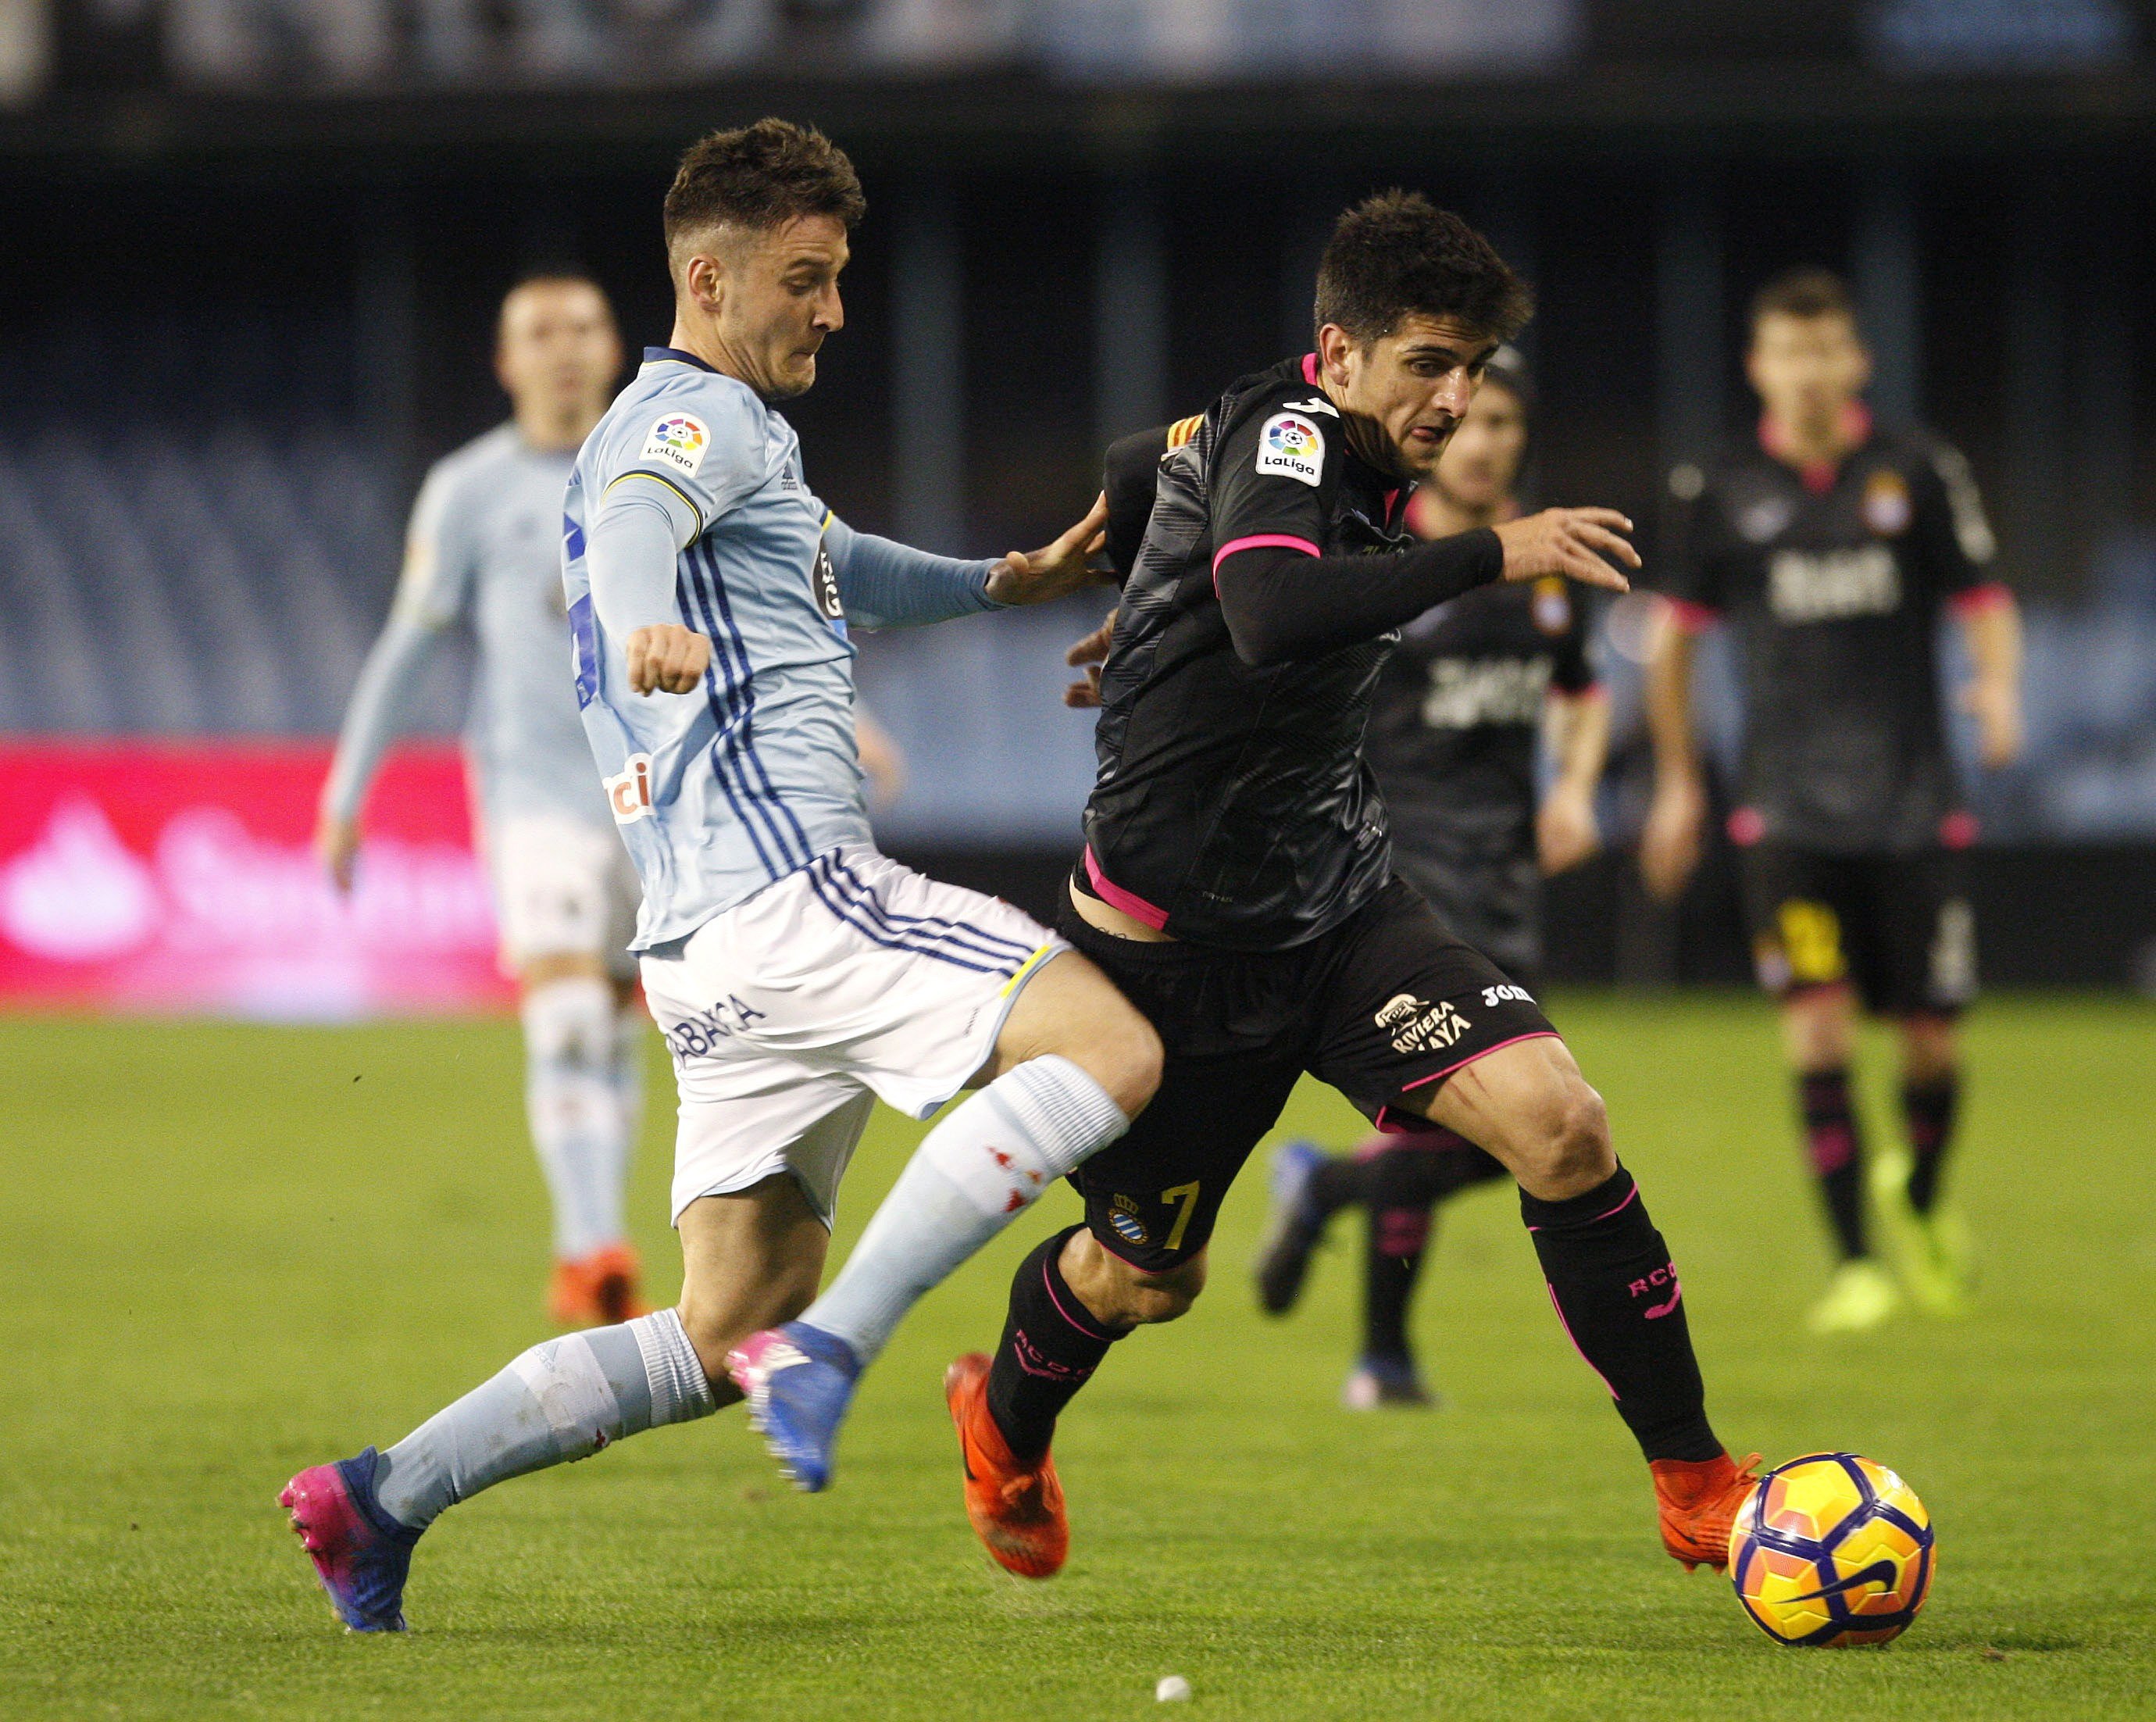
[
  {"x": 798, "y": 1381},
  {"x": 361, "y": 1554}
]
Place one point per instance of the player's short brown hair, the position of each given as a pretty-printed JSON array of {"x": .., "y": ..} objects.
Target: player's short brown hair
[
  {"x": 1804, "y": 294},
  {"x": 758, "y": 178},
  {"x": 1396, "y": 255}
]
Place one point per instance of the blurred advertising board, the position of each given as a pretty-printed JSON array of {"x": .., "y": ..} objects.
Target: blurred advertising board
[{"x": 177, "y": 877}]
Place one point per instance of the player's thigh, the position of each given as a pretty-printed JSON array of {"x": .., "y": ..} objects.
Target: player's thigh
[
  {"x": 744, "y": 1111},
  {"x": 1797, "y": 912},
  {"x": 556, "y": 890},
  {"x": 750, "y": 1258},
  {"x": 1926, "y": 935},
  {"x": 901, "y": 981},
  {"x": 1153, "y": 1196},
  {"x": 1070, "y": 1008},
  {"x": 1403, "y": 1003}
]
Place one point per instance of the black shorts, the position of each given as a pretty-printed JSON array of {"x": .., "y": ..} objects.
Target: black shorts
[
  {"x": 1384, "y": 1007},
  {"x": 1494, "y": 902},
  {"x": 1898, "y": 927}
]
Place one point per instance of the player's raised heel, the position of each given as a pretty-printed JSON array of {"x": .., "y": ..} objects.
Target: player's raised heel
[
  {"x": 1017, "y": 1511},
  {"x": 361, "y": 1555},
  {"x": 798, "y": 1381},
  {"x": 1284, "y": 1260},
  {"x": 1698, "y": 1501}
]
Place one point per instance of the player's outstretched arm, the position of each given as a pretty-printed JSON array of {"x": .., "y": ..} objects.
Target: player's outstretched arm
[
  {"x": 1056, "y": 570},
  {"x": 1578, "y": 543}
]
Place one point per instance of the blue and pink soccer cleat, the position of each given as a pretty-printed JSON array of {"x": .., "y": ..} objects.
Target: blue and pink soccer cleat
[
  {"x": 798, "y": 1381},
  {"x": 361, "y": 1554}
]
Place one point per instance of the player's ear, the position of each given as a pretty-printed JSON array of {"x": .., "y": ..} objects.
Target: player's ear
[{"x": 1334, "y": 343}]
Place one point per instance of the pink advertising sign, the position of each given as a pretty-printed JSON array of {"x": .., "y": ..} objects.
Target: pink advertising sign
[{"x": 177, "y": 877}]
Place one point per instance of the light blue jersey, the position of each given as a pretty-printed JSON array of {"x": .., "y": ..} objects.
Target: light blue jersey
[
  {"x": 688, "y": 503},
  {"x": 482, "y": 547}
]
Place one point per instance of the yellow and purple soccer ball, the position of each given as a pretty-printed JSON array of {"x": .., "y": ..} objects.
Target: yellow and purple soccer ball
[{"x": 1831, "y": 1549}]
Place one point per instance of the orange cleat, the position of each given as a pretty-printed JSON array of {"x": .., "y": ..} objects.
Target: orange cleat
[
  {"x": 1699, "y": 1499},
  {"x": 596, "y": 1291},
  {"x": 1017, "y": 1513}
]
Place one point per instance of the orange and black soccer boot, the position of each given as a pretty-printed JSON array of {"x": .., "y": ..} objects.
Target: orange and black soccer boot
[
  {"x": 1017, "y": 1510},
  {"x": 1699, "y": 1499},
  {"x": 596, "y": 1291}
]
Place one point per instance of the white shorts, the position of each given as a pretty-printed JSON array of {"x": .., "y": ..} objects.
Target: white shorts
[
  {"x": 787, "y": 1015},
  {"x": 563, "y": 887}
]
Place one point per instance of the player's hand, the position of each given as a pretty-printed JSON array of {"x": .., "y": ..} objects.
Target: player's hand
[
  {"x": 1565, "y": 830},
  {"x": 1061, "y": 568},
  {"x": 1088, "y": 654},
  {"x": 1996, "y": 705},
  {"x": 666, "y": 657},
  {"x": 1579, "y": 543},
  {"x": 337, "y": 845},
  {"x": 1670, "y": 841}
]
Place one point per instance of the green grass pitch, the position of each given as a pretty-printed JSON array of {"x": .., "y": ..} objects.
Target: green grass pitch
[{"x": 230, "y": 1251}]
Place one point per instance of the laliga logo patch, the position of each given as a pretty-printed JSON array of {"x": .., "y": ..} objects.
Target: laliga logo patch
[
  {"x": 1417, "y": 1026},
  {"x": 1292, "y": 446},
  {"x": 629, "y": 792},
  {"x": 680, "y": 440},
  {"x": 1887, "y": 508}
]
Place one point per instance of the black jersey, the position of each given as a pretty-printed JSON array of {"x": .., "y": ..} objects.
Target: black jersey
[
  {"x": 1834, "y": 579},
  {"x": 1456, "y": 724},
  {"x": 1232, "y": 806}
]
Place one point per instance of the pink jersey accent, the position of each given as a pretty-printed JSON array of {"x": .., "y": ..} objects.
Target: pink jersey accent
[
  {"x": 1693, "y": 618},
  {"x": 1263, "y": 541},
  {"x": 1137, "y": 908},
  {"x": 1309, "y": 369},
  {"x": 1991, "y": 595}
]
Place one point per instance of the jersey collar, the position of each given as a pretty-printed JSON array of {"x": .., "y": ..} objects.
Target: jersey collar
[
  {"x": 653, "y": 355},
  {"x": 1818, "y": 476}
]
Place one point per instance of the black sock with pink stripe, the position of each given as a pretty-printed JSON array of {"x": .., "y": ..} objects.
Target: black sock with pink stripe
[
  {"x": 1836, "y": 1147},
  {"x": 1928, "y": 1109},
  {"x": 1617, "y": 1293},
  {"x": 1405, "y": 1180},
  {"x": 1051, "y": 1345}
]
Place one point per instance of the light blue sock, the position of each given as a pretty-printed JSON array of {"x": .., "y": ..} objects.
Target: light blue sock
[
  {"x": 975, "y": 1172},
  {"x": 562, "y": 1400}
]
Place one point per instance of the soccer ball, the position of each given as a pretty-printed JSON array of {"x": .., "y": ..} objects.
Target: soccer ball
[{"x": 1831, "y": 1549}]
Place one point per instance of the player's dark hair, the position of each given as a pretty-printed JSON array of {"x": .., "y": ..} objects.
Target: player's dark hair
[
  {"x": 1804, "y": 294},
  {"x": 761, "y": 177},
  {"x": 1397, "y": 254}
]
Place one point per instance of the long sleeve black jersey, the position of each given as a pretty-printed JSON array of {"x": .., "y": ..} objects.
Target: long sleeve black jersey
[
  {"x": 1232, "y": 806},
  {"x": 1456, "y": 725},
  {"x": 1834, "y": 581}
]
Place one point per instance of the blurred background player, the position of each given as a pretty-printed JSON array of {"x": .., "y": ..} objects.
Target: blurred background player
[
  {"x": 485, "y": 547},
  {"x": 1472, "y": 688},
  {"x": 1831, "y": 548}
]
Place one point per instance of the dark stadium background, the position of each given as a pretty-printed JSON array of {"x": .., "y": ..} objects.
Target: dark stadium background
[{"x": 287, "y": 246}]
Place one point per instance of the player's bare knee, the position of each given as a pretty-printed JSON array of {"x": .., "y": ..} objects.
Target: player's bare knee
[
  {"x": 1569, "y": 1151},
  {"x": 1125, "y": 1059}
]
